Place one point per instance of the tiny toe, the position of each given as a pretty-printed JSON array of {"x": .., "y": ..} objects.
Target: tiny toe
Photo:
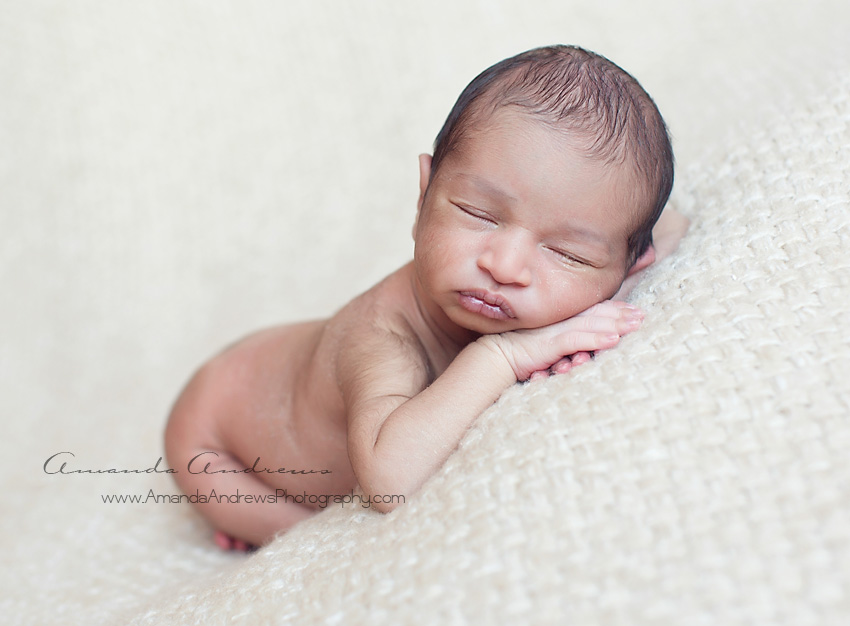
[
  {"x": 223, "y": 541},
  {"x": 226, "y": 542}
]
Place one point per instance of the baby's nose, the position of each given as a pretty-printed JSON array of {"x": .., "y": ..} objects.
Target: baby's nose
[{"x": 507, "y": 259}]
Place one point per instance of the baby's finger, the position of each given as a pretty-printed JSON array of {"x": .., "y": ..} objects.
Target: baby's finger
[
  {"x": 580, "y": 358},
  {"x": 611, "y": 308},
  {"x": 539, "y": 374},
  {"x": 574, "y": 341},
  {"x": 627, "y": 321},
  {"x": 563, "y": 366}
]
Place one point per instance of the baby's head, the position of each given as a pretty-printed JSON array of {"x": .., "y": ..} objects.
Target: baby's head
[
  {"x": 540, "y": 198},
  {"x": 595, "y": 104}
]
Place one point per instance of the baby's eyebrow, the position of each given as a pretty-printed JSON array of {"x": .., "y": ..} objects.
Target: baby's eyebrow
[
  {"x": 576, "y": 230},
  {"x": 487, "y": 187},
  {"x": 577, "y": 234}
]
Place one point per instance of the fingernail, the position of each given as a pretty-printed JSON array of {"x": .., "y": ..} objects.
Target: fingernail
[{"x": 633, "y": 321}]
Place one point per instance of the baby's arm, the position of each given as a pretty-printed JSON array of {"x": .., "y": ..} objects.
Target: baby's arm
[{"x": 400, "y": 432}]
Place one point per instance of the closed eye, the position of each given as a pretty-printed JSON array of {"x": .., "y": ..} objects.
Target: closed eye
[
  {"x": 480, "y": 215},
  {"x": 568, "y": 258}
]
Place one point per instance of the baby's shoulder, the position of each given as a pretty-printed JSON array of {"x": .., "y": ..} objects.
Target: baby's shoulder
[
  {"x": 378, "y": 322},
  {"x": 377, "y": 314}
]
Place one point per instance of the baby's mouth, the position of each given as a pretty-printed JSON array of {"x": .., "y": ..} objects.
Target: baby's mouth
[{"x": 488, "y": 304}]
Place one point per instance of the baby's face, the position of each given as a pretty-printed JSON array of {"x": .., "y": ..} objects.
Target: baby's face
[{"x": 519, "y": 230}]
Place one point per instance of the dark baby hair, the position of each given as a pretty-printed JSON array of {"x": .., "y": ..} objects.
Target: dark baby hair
[{"x": 592, "y": 99}]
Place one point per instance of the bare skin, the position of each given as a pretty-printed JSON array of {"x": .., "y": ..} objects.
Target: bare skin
[{"x": 508, "y": 281}]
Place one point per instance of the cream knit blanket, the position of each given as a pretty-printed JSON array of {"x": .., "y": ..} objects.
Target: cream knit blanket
[{"x": 697, "y": 474}]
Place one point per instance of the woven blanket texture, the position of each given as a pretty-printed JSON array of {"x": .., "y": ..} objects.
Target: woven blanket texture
[
  {"x": 698, "y": 472},
  {"x": 176, "y": 174}
]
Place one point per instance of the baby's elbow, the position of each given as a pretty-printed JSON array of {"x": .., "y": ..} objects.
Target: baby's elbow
[
  {"x": 385, "y": 503},
  {"x": 381, "y": 489},
  {"x": 383, "y": 486},
  {"x": 382, "y": 495}
]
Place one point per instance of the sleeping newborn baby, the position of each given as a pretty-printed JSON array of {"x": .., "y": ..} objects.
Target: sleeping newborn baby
[{"x": 540, "y": 200}]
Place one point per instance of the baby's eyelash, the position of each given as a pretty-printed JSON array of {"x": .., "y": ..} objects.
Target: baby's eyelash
[
  {"x": 569, "y": 257},
  {"x": 472, "y": 213}
]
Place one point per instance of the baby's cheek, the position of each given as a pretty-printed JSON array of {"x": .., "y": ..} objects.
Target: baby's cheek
[
  {"x": 458, "y": 246},
  {"x": 572, "y": 295}
]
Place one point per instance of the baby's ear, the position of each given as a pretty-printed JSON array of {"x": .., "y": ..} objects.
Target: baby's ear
[
  {"x": 424, "y": 179},
  {"x": 643, "y": 261}
]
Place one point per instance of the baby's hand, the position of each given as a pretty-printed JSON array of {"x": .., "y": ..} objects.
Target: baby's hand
[
  {"x": 564, "y": 365},
  {"x": 538, "y": 349}
]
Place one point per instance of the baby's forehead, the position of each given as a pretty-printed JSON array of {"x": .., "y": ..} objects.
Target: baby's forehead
[
  {"x": 572, "y": 134},
  {"x": 505, "y": 173},
  {"x": 474, "y": 145}
]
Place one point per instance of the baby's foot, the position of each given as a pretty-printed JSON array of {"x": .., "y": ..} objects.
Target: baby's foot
[{"x": 226, "y": 542}]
